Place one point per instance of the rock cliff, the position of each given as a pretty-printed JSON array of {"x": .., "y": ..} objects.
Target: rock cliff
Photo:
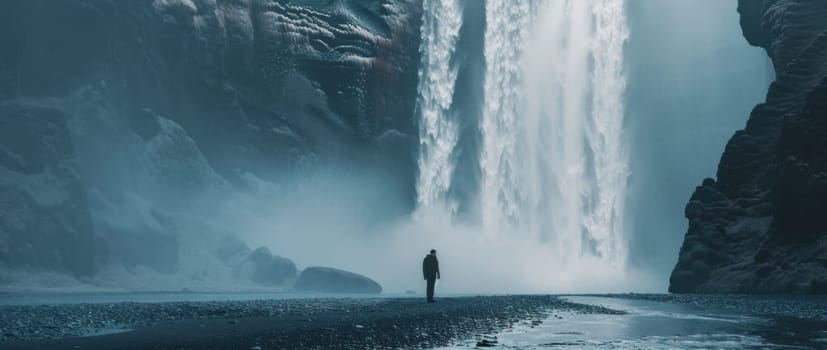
[
  {"x": 127, "y": 111},
  {"x": 761, "y": 227}
]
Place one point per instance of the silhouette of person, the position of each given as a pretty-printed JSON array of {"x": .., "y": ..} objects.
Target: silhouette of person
[{"x": 430, "y": 270}]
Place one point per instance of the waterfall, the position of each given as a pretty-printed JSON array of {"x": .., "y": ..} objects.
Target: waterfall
[
  {"x": 437, "y": 78},
  {"x": 507, "y": 25},
  {"x": 604, "y": 221},
  {"x": 552, "y": 159}
]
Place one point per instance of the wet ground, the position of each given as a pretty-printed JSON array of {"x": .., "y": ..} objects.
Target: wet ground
[
  {"x": 675, "y": 322},
  {"x": 283, "y": 321}
]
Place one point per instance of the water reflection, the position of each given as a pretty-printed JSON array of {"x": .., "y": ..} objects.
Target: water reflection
[{"x": 661, "y": 325}]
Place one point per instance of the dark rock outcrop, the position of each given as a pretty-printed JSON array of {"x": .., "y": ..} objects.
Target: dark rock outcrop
[
  {"x": 259, "y": 266},
  {"x": 248, "y": 80},
  {"x": 330, "y": 280},
  {"x": 147, "y": 109},
  {"x": 265, "y": 268},
  {"x": 762, "y": 226}
]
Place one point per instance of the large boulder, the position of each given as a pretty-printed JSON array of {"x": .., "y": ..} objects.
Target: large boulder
[
  {"x": 330, "y": 280},
  {"x": 263, "y": 267}
]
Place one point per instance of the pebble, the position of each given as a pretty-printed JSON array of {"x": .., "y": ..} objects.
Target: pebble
[
  {"x": 409, "y": 325},
  {"x": 485, "y": 343}
]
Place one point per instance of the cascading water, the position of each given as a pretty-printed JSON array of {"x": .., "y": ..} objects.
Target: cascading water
[
  {"x": 553, "y": 159},
  {"x": 604, "y": 221},
  {"x": 437, "y": 78},
  {"x": 502, "y": 191}
]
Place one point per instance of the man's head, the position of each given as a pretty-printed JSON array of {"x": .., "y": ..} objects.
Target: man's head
[{"x": 433, "y": 252}]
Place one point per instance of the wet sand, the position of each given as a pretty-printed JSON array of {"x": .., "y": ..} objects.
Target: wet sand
[{"x": 382, "y": 323}]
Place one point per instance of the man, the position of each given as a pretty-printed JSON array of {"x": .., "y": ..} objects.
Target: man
[{"x": 430, "y": 269}]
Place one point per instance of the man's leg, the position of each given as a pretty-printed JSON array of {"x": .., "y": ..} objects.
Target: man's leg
[{"x": 431, "y": 281}]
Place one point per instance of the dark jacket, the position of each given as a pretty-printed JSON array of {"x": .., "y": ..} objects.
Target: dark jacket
[{"x": 430, "y": 267}]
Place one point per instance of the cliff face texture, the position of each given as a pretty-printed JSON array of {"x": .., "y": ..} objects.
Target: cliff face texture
[
  {"x": 762, "y": 226},
  {"x": 113, "y": 112}
]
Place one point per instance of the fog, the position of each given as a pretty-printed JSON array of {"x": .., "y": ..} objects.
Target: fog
[
  {"x": 509, "y": 212},
  {"x": 693, "y": 80}
]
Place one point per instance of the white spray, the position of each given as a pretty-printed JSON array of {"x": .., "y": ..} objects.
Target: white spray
[
  {"x": 437, "y": 77},
  {"x": 553, "y": 160}
]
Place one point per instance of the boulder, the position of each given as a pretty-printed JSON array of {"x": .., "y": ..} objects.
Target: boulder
[
  {"x": 330, "y": 280},
  {"x": 265, "y": 268}
]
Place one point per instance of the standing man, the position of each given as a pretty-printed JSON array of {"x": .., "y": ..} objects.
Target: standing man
[{"x": 430, "y": 269}]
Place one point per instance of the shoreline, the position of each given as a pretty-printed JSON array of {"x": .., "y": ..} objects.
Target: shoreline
[
  {"x": 275, "y": 324},
  {"x": 520, "y": 321}
]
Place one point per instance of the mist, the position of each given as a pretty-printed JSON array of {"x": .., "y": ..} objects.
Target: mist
[
  {"x": 693, "y": 80},
  {"x": 552, "y": 148},
  {"x": 413, "y": 174}
]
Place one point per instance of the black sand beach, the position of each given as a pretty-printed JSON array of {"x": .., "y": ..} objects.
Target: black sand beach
[{"x": 382, "y": 323}]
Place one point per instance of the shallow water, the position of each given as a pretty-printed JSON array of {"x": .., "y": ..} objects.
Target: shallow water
[{"x": 660, "y": 325}]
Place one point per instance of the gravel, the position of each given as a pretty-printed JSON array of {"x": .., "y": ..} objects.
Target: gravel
[{"x": 389, "y": 323}]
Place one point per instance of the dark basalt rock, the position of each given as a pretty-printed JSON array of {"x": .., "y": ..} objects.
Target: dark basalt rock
[
  {"x": 761, "y": 227},
  {"x": 259, "y": 265},
  {"x": 330, "y": 280},
  {"x": 158, "y": 100},
  {"x": 257, "y": 84},
  {"x": 269, "y": 269}
]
